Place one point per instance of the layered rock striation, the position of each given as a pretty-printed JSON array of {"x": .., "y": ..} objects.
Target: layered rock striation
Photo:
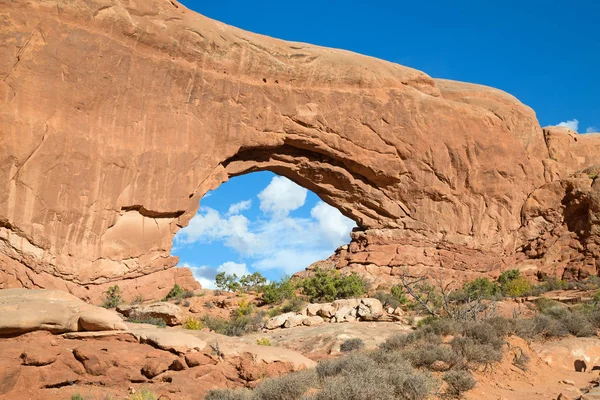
[{"x": 116, "y": 117}]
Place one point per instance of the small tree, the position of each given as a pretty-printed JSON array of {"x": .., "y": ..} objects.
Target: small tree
[
  {"x": 112, "y": 297},
  {"x": 332, "y": 285},
  {"x": 227, "y": 282},
  {"x": 254, "y": 281}
]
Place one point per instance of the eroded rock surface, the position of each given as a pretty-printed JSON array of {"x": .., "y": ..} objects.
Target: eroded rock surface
[
  {"x": 117, "y": 117},
  {"x": 23, "y": 310}
]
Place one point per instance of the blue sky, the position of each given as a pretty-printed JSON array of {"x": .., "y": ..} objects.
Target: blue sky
[{"x": 546, "y": 53}]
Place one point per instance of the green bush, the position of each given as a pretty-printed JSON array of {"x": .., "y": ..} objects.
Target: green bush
[
  {"x": 395, "y": 299},
  {"x": 112, "y": 297},
  {"x": 481, "y": 288},
  {"x": 177, "y": 293},
  {"x": 77, "y": 396},
  {"x": 351, "y": 345},
  {"x": 263, "y": 342},
  {"x": 193, "y": 324},
  {"x": 508, "y": 276},
  {"x": 325, "y": 286},
  {"x": 517, "y": 287},
  {"x": 277, "y": 292},
  {"x": 459, "y": 382}
]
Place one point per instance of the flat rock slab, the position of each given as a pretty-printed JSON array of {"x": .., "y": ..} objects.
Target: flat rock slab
[
  {"x": 171, "y": 340},
  {"x": 25, "y": 310}
]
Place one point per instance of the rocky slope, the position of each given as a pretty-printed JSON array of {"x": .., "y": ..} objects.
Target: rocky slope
[{"x": 118, "y": 116}]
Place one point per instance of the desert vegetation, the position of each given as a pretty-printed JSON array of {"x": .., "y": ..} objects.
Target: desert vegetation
[{"x": 459, "y": 332}]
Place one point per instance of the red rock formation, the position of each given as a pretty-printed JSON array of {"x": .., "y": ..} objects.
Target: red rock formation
[{"x": 117, "y": 117}]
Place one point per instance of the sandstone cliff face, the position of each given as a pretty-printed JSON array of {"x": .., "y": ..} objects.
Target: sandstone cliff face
[{"x": 116, "y": 117}]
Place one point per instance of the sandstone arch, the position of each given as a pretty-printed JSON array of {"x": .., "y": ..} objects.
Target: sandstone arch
[{"x": 117, "y": 116}]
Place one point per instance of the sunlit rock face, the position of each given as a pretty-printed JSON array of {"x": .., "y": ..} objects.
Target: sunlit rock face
[{"x": 117, "y": 116}]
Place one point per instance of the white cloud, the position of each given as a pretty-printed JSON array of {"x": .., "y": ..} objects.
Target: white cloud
[
  {"x": 591, "y": 129},
  {"x": 231, "y": 268},
  {"x": 275, "y": 242},
  {"x": 208, "y": 225},
  {"x": 572, "y": 124},
  {"x": 332, "y": 223},
  {"x": 206, "y": 275},
  {"x": 281, "y": 197},
  {"x": 290, "y": 261},
  {"x": 203, "y": 274},
  {"x": 237, "y": 208}
]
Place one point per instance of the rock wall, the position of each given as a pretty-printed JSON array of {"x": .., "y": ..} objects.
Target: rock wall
[{"x": 117, "y": 116}]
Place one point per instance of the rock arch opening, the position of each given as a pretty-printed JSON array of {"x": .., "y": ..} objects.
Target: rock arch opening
[{"x": 259, "y": 222}]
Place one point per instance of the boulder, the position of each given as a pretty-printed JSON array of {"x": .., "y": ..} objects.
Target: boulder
[
  {"x": 25, "y": 310},
  {"x": 345, "y": 303},
  {"x": 326, "y": 311},
  {"x": 314, "y": 320},
  {"x": 345, "y": 314},
  {"x": 294, "y": 320},
  {"x": 570, "y": 353},
  {"x": 168, "y": 312},
  {"x": 278, "y": 320},
  {"x": 370, "y": 309}
]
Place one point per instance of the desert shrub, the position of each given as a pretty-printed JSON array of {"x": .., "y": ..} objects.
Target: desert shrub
[
  {"x": 480, "y": 288},
  {"x": 441, "y": 326},
  {"x": 149, "y": 320},
  {"x": 275, "y": 311},
  {"x": 424, "y": 355},
  {"x": 138, "y": 299},
  {"x": 244, "y": 308},
  {"x": 521, "y": 360},
  {"x": 77, "y": 396},
  {"x": 398, "y": 341},
  {"x": 369, "y": 384},
  {"x": 277, "y": 292},
  {"x": 353, "y": 363},
  {"x": 540, "y": 327},
  {"x": 517, "y": 287},
  {"x": 177, "y": 293},
  {"x": 410, "y": 384},
  {"x": 484, "y": 333},
  {"x": 351, "y": 345},
  {"x": 193, "y": 324},
  {"x": 295, "y": 304},
  {"x": 263, "y": 342},
  {"x": 477, "y": 353},
  {"x": 254, "y": 281},
  {"x": 326, "y": 286},
  {"x": 112, "y": 297},
  {"x": 386, "y": 299},
  {"x": 229, "y": 394},
  {"x": 459, "y": 382},
  {"x": 553, "y": 283},
  {"x": 143, "y": 394},
  {"x": 394, "y": 299},
  {"x": 574, "y": 321},
  {"x": 174, "y": 293},
  {"x": 215, "y": 324},
  {"x": 286, "y": 387},
  {"x": 508, "y": 276}
]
